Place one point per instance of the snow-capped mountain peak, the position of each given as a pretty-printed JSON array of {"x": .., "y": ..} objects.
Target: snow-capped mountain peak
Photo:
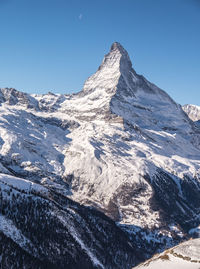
[
  {"x": 115, "y": 64},
  {"x": 117, "y": 56}
]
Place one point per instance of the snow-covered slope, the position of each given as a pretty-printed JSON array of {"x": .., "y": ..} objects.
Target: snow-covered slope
[
  {"x": 192, "y": 111},
  {"x": 121, "y": 145},
  {"x": 184, "y": 256}
]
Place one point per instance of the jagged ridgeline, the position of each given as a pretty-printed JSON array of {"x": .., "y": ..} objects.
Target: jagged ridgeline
[{"x": 120, "y": 162}]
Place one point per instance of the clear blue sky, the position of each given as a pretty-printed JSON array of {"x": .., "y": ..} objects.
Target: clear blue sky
[{"x": 54, "y": 45}]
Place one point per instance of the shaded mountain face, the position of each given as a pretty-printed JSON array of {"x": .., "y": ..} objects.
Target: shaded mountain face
[
  {"x": 121, "y": 145},
  {"x": 41, "y": 229}
]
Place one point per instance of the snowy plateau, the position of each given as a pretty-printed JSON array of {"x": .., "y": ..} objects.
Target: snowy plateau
[{"x": 104, "y": 178}]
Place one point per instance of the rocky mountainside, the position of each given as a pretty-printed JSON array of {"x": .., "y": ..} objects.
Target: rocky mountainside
[
  {"x": 192, "y": 111},
  {"x": 42, "y": 229},
  {"x": 121, "y": 146},
  {"x": 184, "y": 256}
]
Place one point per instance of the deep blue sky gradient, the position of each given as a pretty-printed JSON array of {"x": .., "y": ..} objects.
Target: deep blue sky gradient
[{"x": 54, "y": 45}]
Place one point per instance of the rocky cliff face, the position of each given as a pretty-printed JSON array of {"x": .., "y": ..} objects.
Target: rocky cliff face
[
  {"x": 121, "y": 145},
  {"x": 192, "y": 111}
]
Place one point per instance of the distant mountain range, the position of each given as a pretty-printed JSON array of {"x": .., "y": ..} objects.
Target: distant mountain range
[{"x": 104, "y": 178}]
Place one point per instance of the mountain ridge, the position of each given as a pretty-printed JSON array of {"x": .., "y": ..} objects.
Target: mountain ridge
[{"x": 193, "y": 112}]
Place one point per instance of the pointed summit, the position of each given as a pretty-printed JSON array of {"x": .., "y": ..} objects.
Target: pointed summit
[
  {"x": 118, "y": 56},
  {"x": 115, "y": 64},
  {"x": 116, "y": 86},
  {"x": 117, "y": 47}
]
